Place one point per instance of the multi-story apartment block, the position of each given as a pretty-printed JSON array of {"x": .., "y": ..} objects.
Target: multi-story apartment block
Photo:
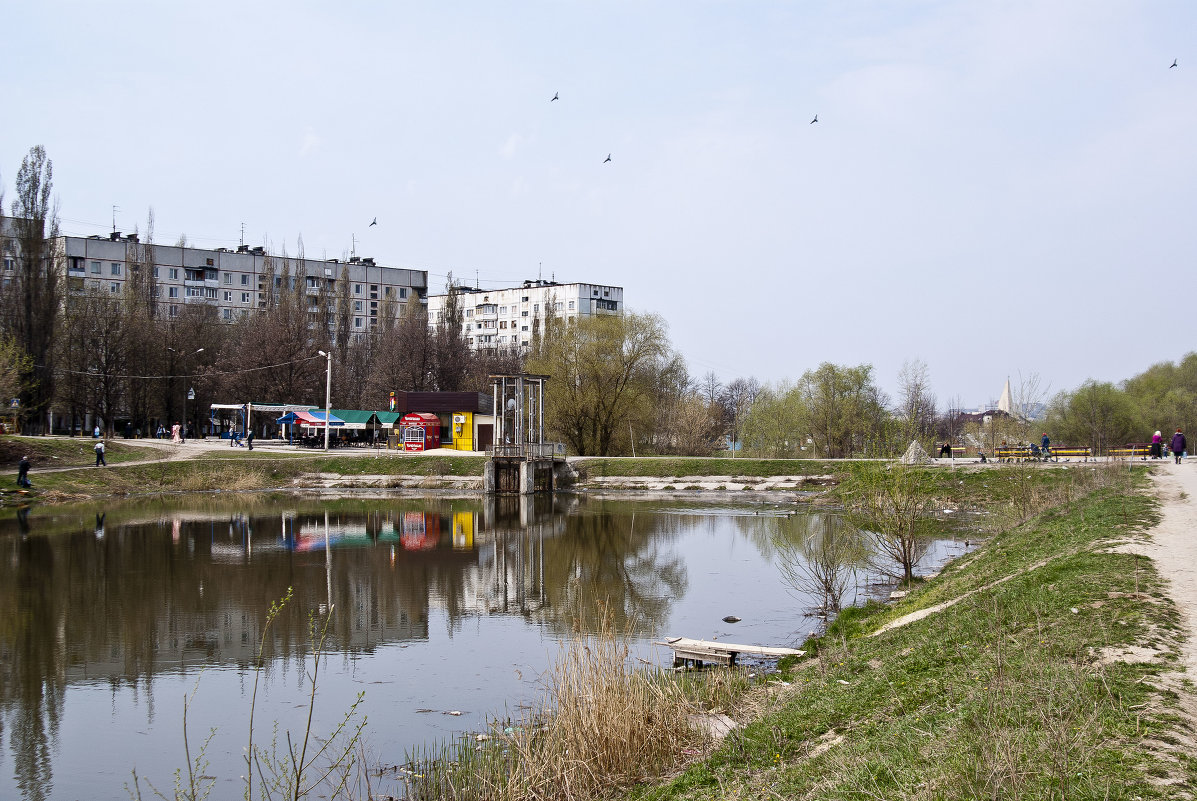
[
  {"x": 505, "y": 318},
  {"x": 234, "y": 281}
]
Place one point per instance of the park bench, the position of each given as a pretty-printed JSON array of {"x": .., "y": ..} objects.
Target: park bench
[
  {"x": 1131, "y": 450},
  {"x": 1012, "y": 453}
]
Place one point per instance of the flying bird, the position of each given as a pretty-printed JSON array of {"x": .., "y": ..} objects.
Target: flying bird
[
  {"x": 373, "y": 223},
  {"x": 556, "y": 96},
  {"x": 607, "y": 159},
  {"x": 816, "y": 119},
  {"x": 1173, "y": 63}
]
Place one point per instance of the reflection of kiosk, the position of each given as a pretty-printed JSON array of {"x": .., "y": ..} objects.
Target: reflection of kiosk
[{"x": 421, "y": 431}]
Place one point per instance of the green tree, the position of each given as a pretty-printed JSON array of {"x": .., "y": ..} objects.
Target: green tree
[
  {"x": 32, "y": 305},
  {"x": 1097, "y": 414},
  {"x": 843, "y": 410},
  {"x": 604, "y": 377},
  {"x": 14, "y": 366}
]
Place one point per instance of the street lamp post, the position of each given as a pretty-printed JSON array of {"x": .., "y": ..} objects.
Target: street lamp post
[
  {"x": 171, "y": 382},
  {"x": 327, "y": 396}
]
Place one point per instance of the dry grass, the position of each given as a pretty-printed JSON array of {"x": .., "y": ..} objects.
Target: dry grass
[{"x": 602, "y": 726}]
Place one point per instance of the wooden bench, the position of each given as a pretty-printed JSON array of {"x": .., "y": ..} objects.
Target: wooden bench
[
  {"x": 1012, "y": 453},
  {"x": 686, "y": 650},
  {"x": 1065, "y": 451},
  {"x": 1132, "y": 450}
]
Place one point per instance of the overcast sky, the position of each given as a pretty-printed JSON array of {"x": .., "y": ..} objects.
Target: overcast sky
[{"x": 993, "y": 188}]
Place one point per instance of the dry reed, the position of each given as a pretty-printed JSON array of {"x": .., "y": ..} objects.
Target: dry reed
[{"x": 602, "y": 726}]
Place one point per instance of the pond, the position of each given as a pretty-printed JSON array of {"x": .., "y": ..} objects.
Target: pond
[{"x": 113, "y": 617}]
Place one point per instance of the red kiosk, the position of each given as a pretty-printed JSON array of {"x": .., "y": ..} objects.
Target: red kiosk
[{"x": 421, "y": 431}]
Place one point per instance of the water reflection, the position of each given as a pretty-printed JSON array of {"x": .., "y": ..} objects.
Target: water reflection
[{"x": 124, "y": 597}]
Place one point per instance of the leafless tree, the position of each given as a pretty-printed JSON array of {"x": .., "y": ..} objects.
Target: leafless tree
[
  {"x": 820, "y": 555},
  {"x": 916, "y": 403}
]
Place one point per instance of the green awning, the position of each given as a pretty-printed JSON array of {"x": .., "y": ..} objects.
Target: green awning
[{"x": 387, "y": 418}]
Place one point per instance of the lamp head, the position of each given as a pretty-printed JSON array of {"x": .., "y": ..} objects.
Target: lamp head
[{"x": 322, "y": 353}]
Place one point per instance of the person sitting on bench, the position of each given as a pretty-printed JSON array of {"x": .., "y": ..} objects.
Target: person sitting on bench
[{"x": 946, "y": 450}]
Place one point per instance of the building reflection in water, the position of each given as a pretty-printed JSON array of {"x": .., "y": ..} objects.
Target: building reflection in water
[{"x": 121, "y": 596}]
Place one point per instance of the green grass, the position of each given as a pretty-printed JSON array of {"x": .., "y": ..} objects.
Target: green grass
[
  {"x": 241, "y": 472},
  {"x": 998, "y": 696},
  {"x": 47, "y": 452}
]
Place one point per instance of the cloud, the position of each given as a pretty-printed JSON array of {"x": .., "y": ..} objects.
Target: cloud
[
  {"x": 310, "y": 142},
  {"x": 513, "y": 143}
]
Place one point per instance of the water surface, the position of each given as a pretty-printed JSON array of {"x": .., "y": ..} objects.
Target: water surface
[{"x": 112, "y": 617}]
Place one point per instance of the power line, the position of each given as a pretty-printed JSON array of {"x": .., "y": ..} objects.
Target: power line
[{"x": 187, "y": 375}]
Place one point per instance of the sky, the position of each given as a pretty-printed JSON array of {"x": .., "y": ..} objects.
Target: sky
[{"x": 995, "y": 189}]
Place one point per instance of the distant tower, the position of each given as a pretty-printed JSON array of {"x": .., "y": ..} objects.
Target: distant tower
[{"x": 1004, "y": 402}]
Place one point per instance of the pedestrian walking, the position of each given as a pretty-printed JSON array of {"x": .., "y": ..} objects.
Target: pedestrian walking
[
  {"x": 100, "y": 454},
  {"x": 1179, "y": 445},
  {"x": 161, "y": 431},
  {"x": 249, "y": 438},
  {"x": 1157, "y": 445},
  {"x": 23, "y": 473},
  {"x": 174, "y": 433},
  {"x": 95, "y": 432}
]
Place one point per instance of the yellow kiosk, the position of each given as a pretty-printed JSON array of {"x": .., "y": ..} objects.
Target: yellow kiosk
[{"x": 462, "y": 431}]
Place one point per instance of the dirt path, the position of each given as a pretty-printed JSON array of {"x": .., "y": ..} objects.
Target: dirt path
[{"x": 1173, "y": 546}]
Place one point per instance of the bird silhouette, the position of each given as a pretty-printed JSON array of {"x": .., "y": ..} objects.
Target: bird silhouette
[
  {"x": 556, "y": 96},
  {"x": 373, "y": 223},
  {"x": 816, "y": 119},
  {"x": 1173, "y": 63},
  {"x": 607, "y": 159}
]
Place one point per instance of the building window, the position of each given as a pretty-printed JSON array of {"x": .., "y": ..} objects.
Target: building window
[
  {"x": 155, "y": 272},
  {"x": 95, "y": 267},
  {"x": 173, "y": 311},
  {"x": 402, "y": 292},
  {"x": 571, "y": 305},
  {"x": 535, "y": 307},
  {"x": 10, "y": 264},
  {"x": 469, "y": 313},
  {"x": 114, "y": 288},
  {"x": 524, "y": 313},
  {"x": 228, "y": 297},
  {"x": 210, "y": 293},
  {"x": 357, "y": 289},
  {"x": 357, "y": 322},
  {"x": 174, "y": 273},
  {"x": 245, "y": 279},
  {"x": 245, "y": 297},
  {"x": 357, "y": 305},
  {"x": 524, "y": 299},
  {"x": 172, "y": 292},
  {"x": 558, "y": 307},
  {"x": 228, "y": 313},
  {"x": 523, "y": 328},
  {"x": 502, "y": 310},
  {"x": 388, "y": 291},
  {"x": 228, "y": 278},
  {"x": 116, "y": 268}
]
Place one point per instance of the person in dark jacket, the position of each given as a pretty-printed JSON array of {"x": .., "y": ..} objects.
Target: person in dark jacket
[
  {"x": 23, "y": 473},
  {"x": 249, "y": 439},
  {"x": 1179, "y": 445}
]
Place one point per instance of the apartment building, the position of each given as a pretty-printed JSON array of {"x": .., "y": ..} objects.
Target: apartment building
[
  {"x": 234, "y": 281},
  {"x": 504, "y": 318}
]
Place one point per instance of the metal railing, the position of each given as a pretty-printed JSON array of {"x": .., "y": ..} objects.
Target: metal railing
[{"x": 527, "y": 450}]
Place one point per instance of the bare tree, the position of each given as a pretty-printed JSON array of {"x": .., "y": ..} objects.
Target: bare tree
[
  {"x": 889, "y": 502},
  {"x": 820, "y": 555},
  {"x": 1028, "y": 397},
  {"x": 916, "y": 403}
]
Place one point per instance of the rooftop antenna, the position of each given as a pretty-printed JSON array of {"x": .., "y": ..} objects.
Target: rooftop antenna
[
  {"x": 539, "y": 270},
  {"x": 477, "y": 283},
  {"x": 242, "y": 242},
  {"x": 115, "y": 209}
]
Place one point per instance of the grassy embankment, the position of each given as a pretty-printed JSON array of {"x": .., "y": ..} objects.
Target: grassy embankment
[
  {"x": 1043, "y": 678},
  {"x": 52, "y": 452},
  {"x": 230, "y": 472},
  {"x": 1045, "y": 674}
]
